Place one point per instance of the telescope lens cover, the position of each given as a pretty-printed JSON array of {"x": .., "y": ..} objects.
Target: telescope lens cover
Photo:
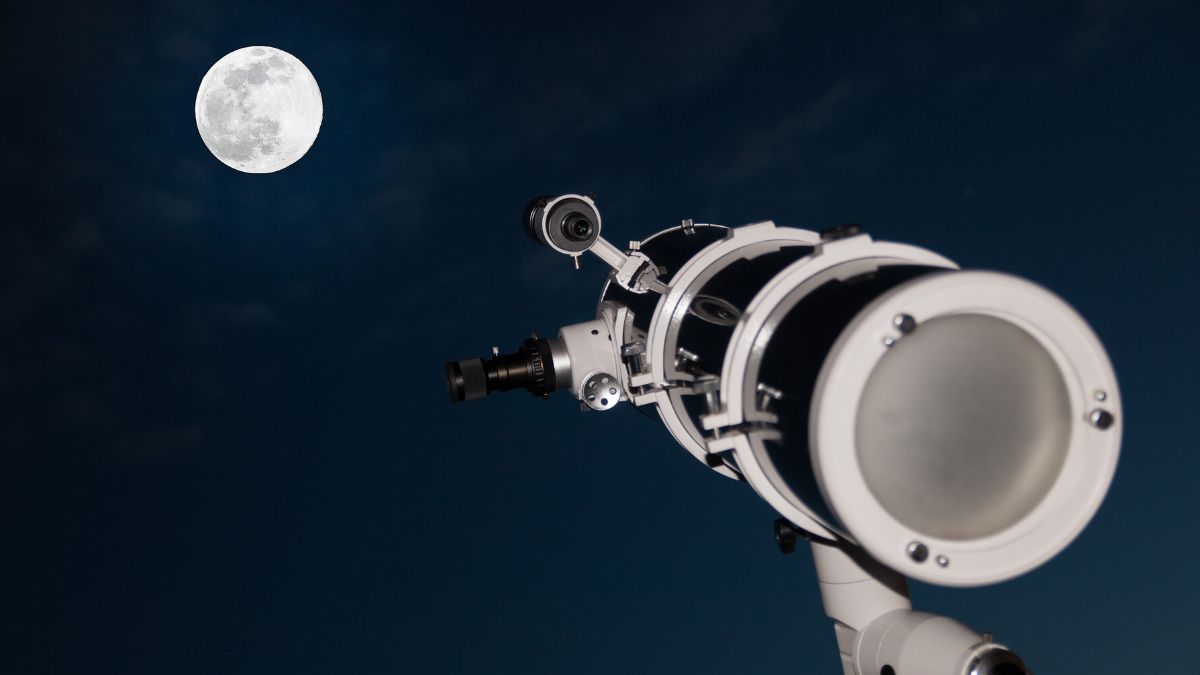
[{"x": 963, "y": 426}]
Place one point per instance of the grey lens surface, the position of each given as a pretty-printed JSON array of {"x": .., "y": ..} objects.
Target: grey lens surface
[{"x": 963, "y": 426}]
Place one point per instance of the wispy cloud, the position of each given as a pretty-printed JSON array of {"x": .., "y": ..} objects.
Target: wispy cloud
[
  {"x": 1097, "y": 28},
  {"x": 503, "y": 114},
  {"x": 791, "y": 138}
]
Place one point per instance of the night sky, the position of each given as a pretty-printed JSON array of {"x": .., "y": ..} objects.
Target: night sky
[{"x": 227, "y": 446}]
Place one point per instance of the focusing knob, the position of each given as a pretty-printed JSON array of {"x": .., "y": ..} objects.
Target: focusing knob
[{"x": 601, "y": 391}]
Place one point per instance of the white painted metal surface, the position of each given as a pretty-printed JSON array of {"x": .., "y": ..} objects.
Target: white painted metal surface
[{"x": 1077, "y": 490}]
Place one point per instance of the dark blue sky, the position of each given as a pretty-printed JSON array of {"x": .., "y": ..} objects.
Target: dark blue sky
[{"x": 223, "y": 415}]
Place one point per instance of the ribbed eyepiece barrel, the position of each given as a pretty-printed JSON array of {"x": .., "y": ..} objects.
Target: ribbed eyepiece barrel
[{"x": 530, "y": 367}]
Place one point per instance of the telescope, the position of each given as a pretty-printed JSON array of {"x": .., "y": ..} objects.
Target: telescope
[{"x": 907, "y": 418}]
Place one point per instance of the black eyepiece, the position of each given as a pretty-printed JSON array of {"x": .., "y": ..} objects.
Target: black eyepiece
[
  {"x": 466, "y": 379},
  {"x": 577, "y": 227},
  {"x": 531, "y": 367},
  {"x": 567, "y": 223}
]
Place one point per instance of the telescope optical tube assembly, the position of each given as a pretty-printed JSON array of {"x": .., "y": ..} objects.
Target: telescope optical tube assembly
[{"x": 909, "y": 418}]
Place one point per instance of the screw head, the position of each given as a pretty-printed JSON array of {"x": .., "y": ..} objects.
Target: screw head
[
  {"x": 918, "y": 552},
  {"x": 1101, "y": 419},
  {"x": 942, "y": 561},
  {"x": 786, "y": 536},
  {"x": 841, "y": 231},
  {"x": 904, "y": 323}
]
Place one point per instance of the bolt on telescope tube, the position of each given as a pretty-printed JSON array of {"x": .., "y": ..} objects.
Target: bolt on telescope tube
[{"x": 530, "y": 367}]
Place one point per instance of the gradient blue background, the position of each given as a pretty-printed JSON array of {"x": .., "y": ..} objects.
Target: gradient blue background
[{"x": 224, "y": 430}]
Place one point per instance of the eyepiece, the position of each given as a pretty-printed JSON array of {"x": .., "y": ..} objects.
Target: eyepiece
[
  {"x": 576, "y": 226},
  {"x": 568, "y": 223},
  {"x": 530, "y": 367}
]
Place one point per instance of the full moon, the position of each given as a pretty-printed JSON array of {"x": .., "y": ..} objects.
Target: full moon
[{"x": 258, "y": 109}]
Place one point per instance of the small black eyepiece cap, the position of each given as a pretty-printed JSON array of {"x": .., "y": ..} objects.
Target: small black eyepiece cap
[{"x": 466, "y": 379}]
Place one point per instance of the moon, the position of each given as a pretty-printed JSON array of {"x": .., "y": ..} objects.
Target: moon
[{"x": 258, "y": 109}]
